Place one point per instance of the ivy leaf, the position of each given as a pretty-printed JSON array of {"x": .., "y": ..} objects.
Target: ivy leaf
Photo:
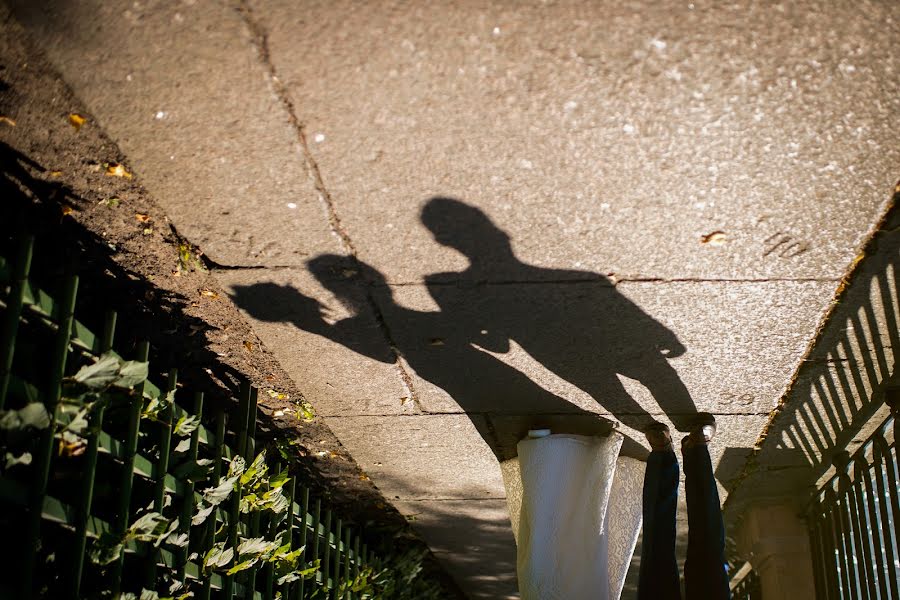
[
  {"x": 256, "y": 469},
  {"x": 242, "y": 566},
  {"x": 149, "y": 527},
  {"x": 279, "y": 480},
  {"x": 255, "y": 546}
]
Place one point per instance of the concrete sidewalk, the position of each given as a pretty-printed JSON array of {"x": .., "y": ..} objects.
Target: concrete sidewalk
[{"x": 682, "y": 186}]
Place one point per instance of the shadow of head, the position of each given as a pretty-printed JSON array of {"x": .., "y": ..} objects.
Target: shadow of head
[{"x": 465, "y": 228}]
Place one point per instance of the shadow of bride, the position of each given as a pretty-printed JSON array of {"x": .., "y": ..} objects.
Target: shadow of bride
[{"x": 574, "y": 323}]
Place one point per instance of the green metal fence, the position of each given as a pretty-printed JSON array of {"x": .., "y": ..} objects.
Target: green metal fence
[
  {"x": 113, "y": 485},
  {"x": 854, "y": 521}
]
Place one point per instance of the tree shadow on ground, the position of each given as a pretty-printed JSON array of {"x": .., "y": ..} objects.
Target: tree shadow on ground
[{"x": 575, "y": 323}]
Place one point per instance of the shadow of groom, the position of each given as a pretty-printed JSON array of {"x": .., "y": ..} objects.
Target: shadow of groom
[{"x": 575, "y": 323}]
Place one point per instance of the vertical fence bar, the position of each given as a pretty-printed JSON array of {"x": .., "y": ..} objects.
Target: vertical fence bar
[
  {"x": 13, "y": 313},
  {"x": 187, "y": 503},
  {"x": 44, "y": 450},
  {"x": 882, "y": 454},
  {"x": 860, "y": 526},
  {"x": 87, "y": 495},
  {"x": 209, "y": 539},
  {"x": 254, "y": 532},
  {"x": 109, "y": 332},
  {"x": 326, "y": 554},
  {"x": 355, "y": 560},
  {"x": 285, "y": 588},
  {"x": 244, "y": 444},
  {"x": 874, "y": 532},
  {"x": 832, "y": 531},
  {"x": 315, "y": 532},
  {"x": 346, "y": 571},
  {"x": 336, "y": 569},
  {"x": 162, "y": 466},
  {"x": 304, "y": 532},
  {"x": 129, "y": 449}
]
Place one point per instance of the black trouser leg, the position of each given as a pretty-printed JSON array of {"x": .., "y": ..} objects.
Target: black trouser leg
[
  {"x": 658, "y": 578},
  {"x": 705, "y": 573}
]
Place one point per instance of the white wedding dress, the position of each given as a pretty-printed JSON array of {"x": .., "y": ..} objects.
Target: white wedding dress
[{"x": 575, "y": 507}]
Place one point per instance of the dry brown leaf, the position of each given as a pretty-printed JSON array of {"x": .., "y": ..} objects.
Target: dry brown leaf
[
  {"x": 142, "y": 217},
  {"x": 7, "y": 121},
  {"x": 76, "y": 121},
  {"x": 209, "y": 293},
  {"x": 67, "y": 210},
  {"x": 716, "y": 238},
  {"x": 116, "y": 170},
  {"x": 248, "y": 346}
]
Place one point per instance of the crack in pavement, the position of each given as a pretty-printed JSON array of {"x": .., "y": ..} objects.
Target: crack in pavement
[{"x": 260, "y": 41}]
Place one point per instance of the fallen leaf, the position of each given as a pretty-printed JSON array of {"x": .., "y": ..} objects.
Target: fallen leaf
[
  {"x": 364, "y": 477},
  {"x": 77, "y": 120},
  {"x": 55, "y": 173},
  {"x": 8, "y": 121},
  {"x": 148, "y": 230},
  {"x": 67, "y": 210},
  {"x": 716, "y": 238},
  {"x": 436, "y": 342},
  {"x": 111, "y": 202},
  {"x": 278, "y": 413},
  {"x": 117, "y": 170},
  {"x": 142, "y": 217},
  {"x": 248, "y": 346},
  {"x": 209, "y": 293}
]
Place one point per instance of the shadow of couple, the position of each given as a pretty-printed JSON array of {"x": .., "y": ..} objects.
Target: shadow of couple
[{"x": 575, "y": 323}]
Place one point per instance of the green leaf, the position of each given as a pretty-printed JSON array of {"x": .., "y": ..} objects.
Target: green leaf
[
  {"x": 241, "y": 566},
  {"x": 13, "y": 460},
  {"x": 181, "y": 540},
  {"x": 218, "y": 556},
  {"x": 186, "y": 425},
  {"x": 237, "y": 466},
  {"x": 202, "y": 514},
  {"x": 106, "y": 549},
  {"x": 256, "y": 546},
  {"x": 256, "y": 469},
  {"x": 149, "y": 527},
  {"x": 100, "y": 374},
  {"x": 218, "y": 494},
  {"x": 279, "y": 480},
  {"x": 31, "y": 415},
  {"x": 149, "y": 595},
  {"x": 132, "y": 373},
  {"x": 183, "y": 446}
]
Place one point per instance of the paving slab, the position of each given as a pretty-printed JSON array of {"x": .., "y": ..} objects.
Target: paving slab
[
  {"x": 181, "y": 89},
  {"x": 472, "y": 539},
  {"x": 607, "y": 136},
  {"x": 423, "y": 457}
]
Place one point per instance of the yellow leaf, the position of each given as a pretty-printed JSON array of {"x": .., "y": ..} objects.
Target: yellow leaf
[
  {"x": 67, "y": 210},
  {"x": 148, "y": 230},
  {"x": 716, "y": 238},
  {"x": 77, "y": 120},
  {"x": 209, "y": 293},
  {"x": 248, "y": 346},
  {"x": 117, "y": 170},
  {"x": 142, "y": 217},
  {"x": 55, "y": 173},
  {"x": 8, "y": 121}
]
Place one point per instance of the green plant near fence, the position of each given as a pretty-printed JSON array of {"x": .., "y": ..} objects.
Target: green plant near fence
[{"x": 115, "y": 489}]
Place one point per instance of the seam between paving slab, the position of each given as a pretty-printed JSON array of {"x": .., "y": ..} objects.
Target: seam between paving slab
[{"x": 259, "y": 38}]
